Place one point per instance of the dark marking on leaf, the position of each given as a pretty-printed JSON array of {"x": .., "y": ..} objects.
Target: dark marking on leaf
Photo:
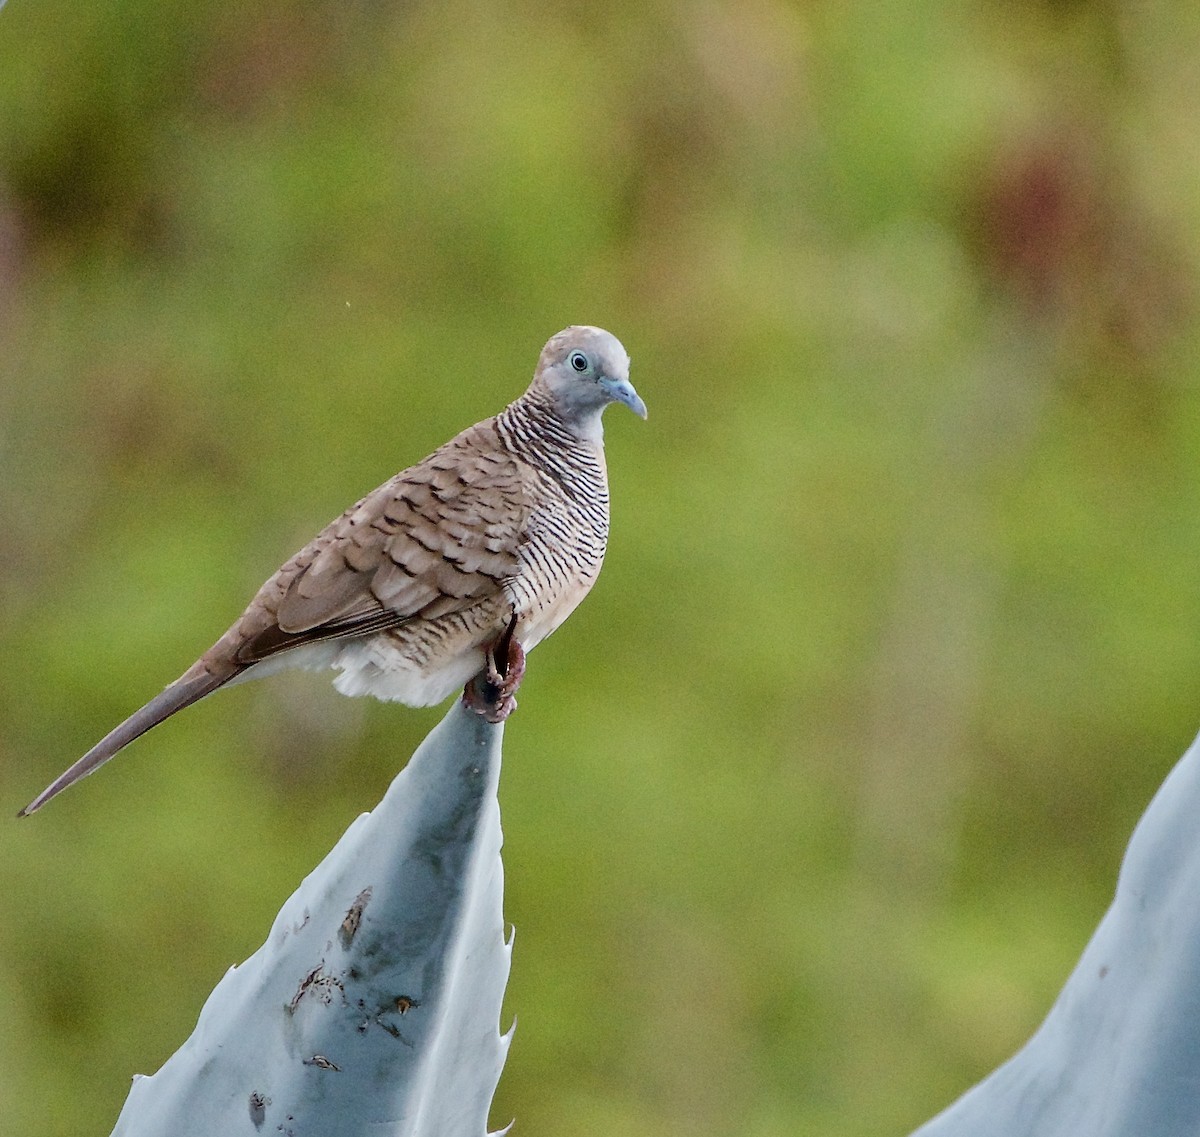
[
  {"x": 322, "y": 1063},
  {"x": 353, "y": 917}
]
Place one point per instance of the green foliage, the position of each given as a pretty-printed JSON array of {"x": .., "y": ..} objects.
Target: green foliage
[{"x": 811, "y": 806}]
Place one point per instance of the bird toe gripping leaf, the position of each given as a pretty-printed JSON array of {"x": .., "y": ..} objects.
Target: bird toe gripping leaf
[
  {"x": 451, "y": 570},
  {"x": 492, "y": 693}
]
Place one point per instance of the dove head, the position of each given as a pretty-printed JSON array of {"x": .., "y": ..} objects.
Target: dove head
[{"x": 582, "y": 370}]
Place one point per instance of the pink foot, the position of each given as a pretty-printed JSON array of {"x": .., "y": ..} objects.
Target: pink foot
[{"x": 491, "y": 693}]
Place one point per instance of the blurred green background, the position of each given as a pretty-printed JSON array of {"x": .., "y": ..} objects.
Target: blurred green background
[{"x": 811, "y": 807}]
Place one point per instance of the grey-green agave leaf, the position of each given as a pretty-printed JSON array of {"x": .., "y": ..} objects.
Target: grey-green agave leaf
[
  {"x": 1119, "y": 1052},
  {"x": 374, "y": 1005}
]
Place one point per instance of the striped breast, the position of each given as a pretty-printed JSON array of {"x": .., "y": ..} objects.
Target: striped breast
[{"x": 567, "y": 532}]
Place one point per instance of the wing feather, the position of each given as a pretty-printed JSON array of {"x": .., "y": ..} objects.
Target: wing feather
[{"x": 435, "y": 539}]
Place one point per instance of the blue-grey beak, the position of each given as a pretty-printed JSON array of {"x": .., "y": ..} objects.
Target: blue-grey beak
[{"x": 621, "y": 391}]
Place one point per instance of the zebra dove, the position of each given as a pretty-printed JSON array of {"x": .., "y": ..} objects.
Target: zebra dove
[{"x": 446, "y": 574}]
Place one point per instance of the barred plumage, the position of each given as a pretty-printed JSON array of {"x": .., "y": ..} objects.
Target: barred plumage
[{"x": 494, "y": 538}]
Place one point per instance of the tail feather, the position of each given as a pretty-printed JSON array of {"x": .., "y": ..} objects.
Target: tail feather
[{"x": 188, "y": 689}]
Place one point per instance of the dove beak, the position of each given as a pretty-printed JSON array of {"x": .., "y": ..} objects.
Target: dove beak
[{"x": 621, "y": 391}]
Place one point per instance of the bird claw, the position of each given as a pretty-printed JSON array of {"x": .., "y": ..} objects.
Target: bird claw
[{"x": 491, "y": 693}]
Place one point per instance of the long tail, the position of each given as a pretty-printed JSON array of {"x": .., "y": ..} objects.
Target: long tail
[{"x": 193, "y": 685}]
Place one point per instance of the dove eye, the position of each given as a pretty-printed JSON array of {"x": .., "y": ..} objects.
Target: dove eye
[{"x": 578, "y": 360}]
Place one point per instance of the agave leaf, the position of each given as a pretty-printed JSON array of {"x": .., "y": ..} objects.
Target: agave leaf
[
  {"x": 373, "y": 1007},
  {"x": 1119, "y": 1052}
]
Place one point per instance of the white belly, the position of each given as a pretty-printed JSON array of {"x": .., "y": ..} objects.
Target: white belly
[{"x": 377, "y": 667}]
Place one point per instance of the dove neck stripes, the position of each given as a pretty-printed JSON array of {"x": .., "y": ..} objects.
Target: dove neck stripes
[{"x": 533, "y": 428}]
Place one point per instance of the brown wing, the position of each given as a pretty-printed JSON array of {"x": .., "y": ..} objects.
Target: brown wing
[{"x": 436, "y": 538}]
